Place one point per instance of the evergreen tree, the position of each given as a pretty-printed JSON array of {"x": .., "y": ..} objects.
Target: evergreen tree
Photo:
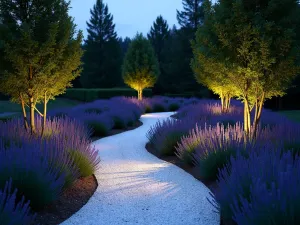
[
  {"x": 140, "y": 68},
  {"x": 172, "y": 66},
  {"x": 42, "y": 52},
  {"x": 190, "y": 18},
  {"x": 158, "y": 36},
  {"x": 103, "y": 57},
  {"x": 124, "y": 45},
  {"x": 192, "y": 14}
]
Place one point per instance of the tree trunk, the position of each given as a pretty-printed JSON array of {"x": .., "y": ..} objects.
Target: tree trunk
[
  {"x": 247, "y": 122},
  {"x": 32, "y": 123},
  {"x": 222, "y": 102},
  {"x": 45, "y": 114},
  {"x": 140, "y": 94},
  {"x": 258, "y": 110},
  {"x": 227, "y": 102},
  {"x": 26, "y": 126}
]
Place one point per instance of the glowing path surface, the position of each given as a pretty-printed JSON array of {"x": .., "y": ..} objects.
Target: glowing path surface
[{"x": 135, "y": 187}]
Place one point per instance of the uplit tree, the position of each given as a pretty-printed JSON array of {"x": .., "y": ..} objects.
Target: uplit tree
[
  {"x": 258, "y": 42},
  {"x": 43, "y": 55},
  {"x": 140, "y": 68},
  {"x": 208, "y": 64}
]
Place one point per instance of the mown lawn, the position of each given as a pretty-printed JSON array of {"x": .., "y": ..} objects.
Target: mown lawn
[
  {"x": 7, "y": 106},
  {"x": 292, "y": 114}
]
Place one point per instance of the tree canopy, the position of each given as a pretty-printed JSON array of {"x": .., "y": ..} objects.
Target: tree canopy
[
  {"x": 41, "y": 52},
  {"x": 257, "y": 43},
  {"x": 140, "y": 67}
]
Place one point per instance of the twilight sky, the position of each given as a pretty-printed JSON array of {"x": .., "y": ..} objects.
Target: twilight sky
[{"x": 130, "y": 16}]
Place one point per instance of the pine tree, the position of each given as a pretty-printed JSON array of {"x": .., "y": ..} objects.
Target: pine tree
[
  {"x": 158, "y": 36},
  {"x": 42, "y": 54},
  {"x": 192, "y": 14},
  {"x": 140, "y": 67},
  {"x": 190, "y": 18},
  {"x": 103, "y": 55},
  {"x": 124, "y": 45}
]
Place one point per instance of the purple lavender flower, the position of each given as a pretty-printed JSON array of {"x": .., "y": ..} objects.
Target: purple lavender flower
[
  {"x": 164, "y": 135},
  {"x": 209, "y": 148},
  {"x": 12, "y": 212},
  {"x": 37, "y": 169},
  {"x": 260, "y": 189}
]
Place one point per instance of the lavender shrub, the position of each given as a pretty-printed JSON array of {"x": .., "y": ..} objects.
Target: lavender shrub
[
  {"x": 262, "y": 189},
  {"x": 209, "y": 148},
  {"x": 37, "y": 170},
  {"x": 165, "y": 134},
  {"x": 11, "y": 212}
]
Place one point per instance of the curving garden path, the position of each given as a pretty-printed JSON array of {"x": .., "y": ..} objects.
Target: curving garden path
[{"x": 135, "y": 187}]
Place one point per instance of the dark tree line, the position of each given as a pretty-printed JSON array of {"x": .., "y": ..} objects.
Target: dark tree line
[{"x": 105, "y": 51}]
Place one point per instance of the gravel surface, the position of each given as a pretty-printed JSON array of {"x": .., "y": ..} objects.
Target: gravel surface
[{"x": 135, "y": 187}]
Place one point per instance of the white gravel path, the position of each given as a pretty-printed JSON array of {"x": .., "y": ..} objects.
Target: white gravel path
[{"x": 135, "y": 187}]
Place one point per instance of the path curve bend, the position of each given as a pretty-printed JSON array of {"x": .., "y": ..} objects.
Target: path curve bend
[{"x": 135, "y": 187}]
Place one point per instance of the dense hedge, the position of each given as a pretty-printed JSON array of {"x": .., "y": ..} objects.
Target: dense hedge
[
  {"x": 89, "y": 95},
  {"x": 200, "y": 94}
]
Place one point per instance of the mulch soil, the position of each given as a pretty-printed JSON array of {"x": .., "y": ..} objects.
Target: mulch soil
[
  {"x": 189, "y": 169},
  {"x": 71, "y": 200},
  {"x": 74, "y": 197}
]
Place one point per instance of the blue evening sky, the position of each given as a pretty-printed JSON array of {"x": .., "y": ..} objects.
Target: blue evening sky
[{"x": 130, "y": 16}]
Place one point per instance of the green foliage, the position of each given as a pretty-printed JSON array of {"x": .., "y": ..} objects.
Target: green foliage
[
  {"x": 43, "y": 54},
  {"x": 130, "y": 123},
  {"x": 158, "y": 108},
  {"x": 99, "y": 129},
  {"x": 42, "y": 51},
  {"x": 192, "y": 14},
  {"x": 32, "y": 186},
  {"x": 158, "y": 36},
  {"x": 140, "y": 68},
  {"x": 103, "y": 54},
  {"x": 173, "y": 107},
  {"x": 82, "y": 163},
  {"x": 209, "y": 166},
  {"x": 250, "y": 49},
  {"x": 293, "y": 146},
  {"x": 89, "y": 95},
  {"x": 208, "y": 63},
  {"x": 118, "y": 123},
  {"x": 169, "y": 143},
  {"x": 148, "y": 109},
  {"x": 177, "y": 52}
]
